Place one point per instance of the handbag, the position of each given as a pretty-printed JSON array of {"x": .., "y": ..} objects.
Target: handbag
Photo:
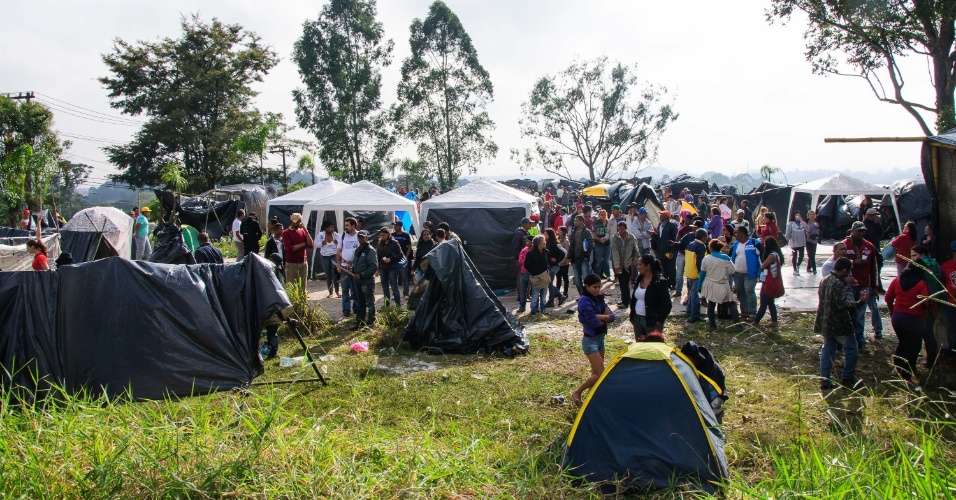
[
  {"x": 773, "y": 285},
  {"x": 541, "y": 281}
]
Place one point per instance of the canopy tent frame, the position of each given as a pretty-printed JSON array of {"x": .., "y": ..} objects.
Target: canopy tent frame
[
  {"x": 376, "y": 199},
  {"x": 816, "y": 192}
]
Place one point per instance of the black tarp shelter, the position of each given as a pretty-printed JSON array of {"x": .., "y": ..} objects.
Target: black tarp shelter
[
  {"x": 136, "y": 329},
  {"x": 484, "y": 214},
  {"x": 938, "y": 161},
  {"x": 644, "y": 196},
  {"x": 459, "y": 313}
]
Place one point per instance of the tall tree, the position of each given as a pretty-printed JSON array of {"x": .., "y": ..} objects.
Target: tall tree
[
  {"x": 29, "y": 155},
  {"x": 340, "y": 56},
  {"x": 196, "y": 92},
  {"x": 443, "y": 96},
  {"x": 64, "y": 184},
  {"x": 596, "y": 114},
  {"x": 872, "y": 38}
]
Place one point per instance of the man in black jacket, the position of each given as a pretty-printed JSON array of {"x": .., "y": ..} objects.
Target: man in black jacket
[
  {"x": 667, "y": 247},
  {"x": 206, "y": 253},
  {"x": 251, "y": 232}
]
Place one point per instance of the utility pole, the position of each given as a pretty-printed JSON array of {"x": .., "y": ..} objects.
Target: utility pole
[
  {"x": 27, "y": 96},
  {"x": 285, "y": 171}
]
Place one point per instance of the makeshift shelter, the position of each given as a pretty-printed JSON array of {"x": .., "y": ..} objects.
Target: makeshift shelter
[
  {"x": 170, "y": 246},
  {"x": 484, "y": 214},
  {"x": 459, "y": 313},
  {"x": 938, "y": 161},
  {"x": 696, "y": 185},
  {"x": 838, "y": 184},
  {"x": 136, "y": 329},
  {"x": 286, "y": 205},
  {"x": 914, "y": 202},
  {"x": 376, "y": 204},
  {"x": 15, "y": 257},
  {"x": 9, "y": 232},
  {"x": 776, "y": 199},
  {"x": 648, "y": 422},
  {"x": 644, "y": 196},
  {"x": 205, "y": 214},
  {"x": 94, "y": 225}
]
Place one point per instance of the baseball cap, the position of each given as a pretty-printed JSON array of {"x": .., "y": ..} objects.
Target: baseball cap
[
  {"x": 615, "y": 207},
  {"x": 665, "y": 213},
  {"x": 525, "y": 220},
  {"x": 363, "y": 233},
  {"x": 642, "y": 210},
  {"x": 146, "y": 210},
  {"x": 741, "y": 212},
  {"x": 872, "y": 211},
  {"x": 858, "y": 226},
  {"x": 296, "y": 217},
  {"x": 689, "y": 198},
  {"x": 399, "y": 224}
]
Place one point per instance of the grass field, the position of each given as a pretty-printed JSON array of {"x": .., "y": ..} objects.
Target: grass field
[{"x": 399, "y": 424}]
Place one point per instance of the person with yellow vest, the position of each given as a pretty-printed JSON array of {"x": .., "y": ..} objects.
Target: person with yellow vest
[{"x": 693, "y": 256}]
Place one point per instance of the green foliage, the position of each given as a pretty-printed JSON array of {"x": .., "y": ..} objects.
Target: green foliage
[
  {"x": 594, "y": 113},
  {"x": 340, "y": 57},
  {"x": 313, "y": 318},
  {"x": 173, "y": 176},
  {"x": 767, "y": 171},
  {"x": 443, "y": 97},
  {"x": 29, "y": 156},
  {"x": 390, "y": 326},
  {"x": 196, "y": 92},
  {"x": 226, "y": 246},
  {"x": 297, "y": 186},
  {"x": 872, "y": 37}
]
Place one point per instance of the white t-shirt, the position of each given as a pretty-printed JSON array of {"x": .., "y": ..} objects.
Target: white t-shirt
[
  {"x": 347, "y": 244},
  {"x": 740, "y": 260},
  {"x": 235, "y": 230},
  {"x": 640, "y": 307},
  {"x": 327, "y": 249}
]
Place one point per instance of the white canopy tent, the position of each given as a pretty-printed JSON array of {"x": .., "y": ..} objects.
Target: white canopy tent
[
  {"x": 482, "y": 194},
  {"x": 362, "y": 196},
  {"x": 290, "y": 203},
  {"x": 116, "y": 226},
  {"x": 844, "y": 185}
]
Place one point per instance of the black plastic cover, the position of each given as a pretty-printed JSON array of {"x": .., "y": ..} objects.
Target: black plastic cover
[
  {"x": 212, "y": 217},
  {"x": 9, "y": 232},
  {"x": 170, "y": 248},
  {"x": 86, "y": 246},
  {"x": 486, "y": 234},
  {"x": 459, "y": 314},
  {"x": 137, "y": 329}
]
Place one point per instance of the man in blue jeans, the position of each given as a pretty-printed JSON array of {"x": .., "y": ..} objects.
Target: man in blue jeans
[
  {"x": 348, "y": 244},
  {"x": 581, "y": 244},
  {"x": 364, "y": 267},
  {"x": 745, "y": 254},
  {"x": 835, "y": 321}
]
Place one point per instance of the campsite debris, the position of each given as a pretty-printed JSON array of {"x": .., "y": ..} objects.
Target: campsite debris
[
  {"x": 359, "y": 347},
  {"x": 557, "y": 400},
  {"x": 478, "y": 376},
  {"x": 286, "y": 362},
  {"x": 327, "y": 358}
]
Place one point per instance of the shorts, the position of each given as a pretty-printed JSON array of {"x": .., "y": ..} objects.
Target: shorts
[{"x": 592, "y": 345}]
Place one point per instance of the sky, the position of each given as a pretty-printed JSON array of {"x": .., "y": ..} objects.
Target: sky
[{"x": 745, "y": 95}]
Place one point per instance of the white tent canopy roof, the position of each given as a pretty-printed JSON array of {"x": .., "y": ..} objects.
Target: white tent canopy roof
[
  {"x": 361, "y": 196},
  {"x": 320, "y": 189},
  {"x": 840, "y": 184},
  {"x": 481, "y": 194},
  {"x": 116, "y": 226}
]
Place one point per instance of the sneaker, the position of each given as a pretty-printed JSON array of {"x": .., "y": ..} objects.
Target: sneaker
[
  {"x": 521, "y": 310},
  {"x": 346, "y": 314},
  {"x": 621, "y": 305},
  {"x": 862, "y": 341},
  {"x": 796, "y": 272},
  {"x": 561, "y": 300},
  {"x": 550, "y": 303},
  {"x": 826, "y": 386},
  {"x": 852, "y": 383}
]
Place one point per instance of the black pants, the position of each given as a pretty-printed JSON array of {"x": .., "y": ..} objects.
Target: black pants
[
  {"x": 670, "y": 271},
  {"x": 712, "y": 312},
  {"x": 624, "y": 280},
  {"x": 909, "y": 330},
  {"x": 797, "y": 257},
  {"x": 811, "y": 257},
  {"x": 929, "y": 339},
  {"x": 563, "y": 278},
  {"x": 766, "y": 302}
]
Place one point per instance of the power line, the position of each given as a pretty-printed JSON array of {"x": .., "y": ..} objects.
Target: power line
[
  {"x": 89, "y": 139},
  {"x": 105, "y": 115},
  {"x": 59, "y": 109}
]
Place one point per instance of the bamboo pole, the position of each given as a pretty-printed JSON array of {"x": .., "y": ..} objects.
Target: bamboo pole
[{"x": 873, "y": 139}]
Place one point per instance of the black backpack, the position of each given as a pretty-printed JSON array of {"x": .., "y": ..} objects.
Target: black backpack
[{"x": 708, "y": 366}]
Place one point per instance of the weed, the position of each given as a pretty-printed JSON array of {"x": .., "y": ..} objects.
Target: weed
[{"x": 314, "y": 320}]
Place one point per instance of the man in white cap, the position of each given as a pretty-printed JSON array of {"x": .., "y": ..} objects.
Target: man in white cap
[
  {"x": 741, "y": 220},
  {"x": 295, "y": 241}
]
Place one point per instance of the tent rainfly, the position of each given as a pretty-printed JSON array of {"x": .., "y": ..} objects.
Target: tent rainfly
[
  {"x": 840, "y": 184},
  {"x": 288, "y": 204},
  {"x": 115, "y": 225},
  {"x": 362, "y": 196}
]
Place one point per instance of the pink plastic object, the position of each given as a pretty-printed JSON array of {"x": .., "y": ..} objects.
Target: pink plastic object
[{"x": 359, "y": 347}]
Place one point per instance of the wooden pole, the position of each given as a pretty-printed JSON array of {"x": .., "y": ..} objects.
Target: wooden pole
[{"x": 873, "y": 139}]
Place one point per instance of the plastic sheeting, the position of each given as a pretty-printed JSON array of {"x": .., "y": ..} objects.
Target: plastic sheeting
[
  {"x": 486, "y": 234},
  {"x": 914, "y": 202},
  {"x": 15, "y": 257},
  {"x": 939, "y": 169},
  {"x": 644, "y": 196},
  {"x": 696, "y": 185},
  {"x": 137, "y": 329},
  {"x": 86, "y": 246},
  {"x": 170, "y": 247},
  {"x": 116, "y": 226},
  {"x": 459, "y": 313},
  {"x": 206, "y": 215},
  {"x": 9, "y": 232}
]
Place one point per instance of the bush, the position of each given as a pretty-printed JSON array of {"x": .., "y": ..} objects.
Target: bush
[
  {"x": 225, "y": 246},
  {"x": 389, "y": 327},
  {"x": 313, "y": 318}
]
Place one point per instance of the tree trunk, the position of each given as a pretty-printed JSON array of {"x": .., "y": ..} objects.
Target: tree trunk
[{"x": 944, "y": 75}]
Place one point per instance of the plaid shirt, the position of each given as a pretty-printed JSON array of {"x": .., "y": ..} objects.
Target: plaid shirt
[{"x": 835, "y": 309}]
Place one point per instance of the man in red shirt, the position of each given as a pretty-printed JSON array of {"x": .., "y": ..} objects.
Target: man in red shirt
[
  {"x": 866, "y": 274},
  {"x": 949, "y": 312},
  {"x": 295, "y": 241}
]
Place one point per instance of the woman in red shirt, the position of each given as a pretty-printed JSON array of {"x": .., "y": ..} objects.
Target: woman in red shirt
[
  {"x": 908, "y": 319},
  {"x": 904, "y": 243},
  {"x": 39, "y": 251}
]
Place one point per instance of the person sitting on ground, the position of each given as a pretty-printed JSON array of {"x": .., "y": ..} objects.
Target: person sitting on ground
[
  {"x": 594, "y": 315},
  {"x": 206, "y": 253},
  {"x": 65, "y": 259},
  {"x": 834, "y": 322}
]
